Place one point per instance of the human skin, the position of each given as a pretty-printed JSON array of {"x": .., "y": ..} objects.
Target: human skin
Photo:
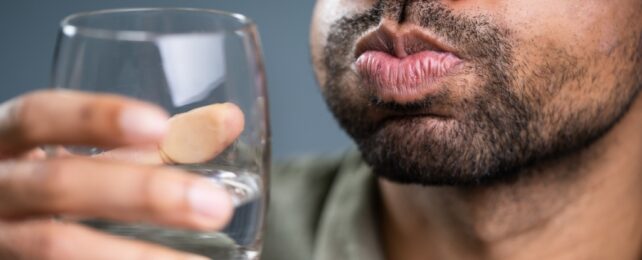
[
  {"x": 125, "y": 184},
  {"x": 528, "y": 151},
  {"x": 582, "y": 205}
]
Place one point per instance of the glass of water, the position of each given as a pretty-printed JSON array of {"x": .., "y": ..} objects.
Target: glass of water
[{"x": 180, "y": 59}]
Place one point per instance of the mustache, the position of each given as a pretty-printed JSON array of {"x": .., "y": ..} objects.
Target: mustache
[
  {"x": 484, "y": 46},
  {"x": 474, "y": 36}
]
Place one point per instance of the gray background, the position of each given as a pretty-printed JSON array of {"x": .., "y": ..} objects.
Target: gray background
[{"x": 301, "y": 123}]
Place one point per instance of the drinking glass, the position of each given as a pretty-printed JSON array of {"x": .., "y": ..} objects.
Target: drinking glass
[{"x": 180, "y": 59}]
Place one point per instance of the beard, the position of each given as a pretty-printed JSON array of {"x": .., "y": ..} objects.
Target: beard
[{"x": 503, "y": 129}]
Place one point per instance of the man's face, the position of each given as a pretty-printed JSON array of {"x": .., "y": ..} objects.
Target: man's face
[{"x": 463, "y": 92}]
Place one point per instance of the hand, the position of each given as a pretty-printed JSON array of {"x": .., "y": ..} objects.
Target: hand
[{"x": 34, "y": 188}]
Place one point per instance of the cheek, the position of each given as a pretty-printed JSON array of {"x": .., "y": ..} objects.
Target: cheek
[
  {"x": 586, "y": 32},
  {"x": 569, "y": 56},
  {"x": 587, "y": 26},
  {"x": 326, "y": 13}
]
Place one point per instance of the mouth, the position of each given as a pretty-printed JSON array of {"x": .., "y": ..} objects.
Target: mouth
[{"x": 403, "y": 67}]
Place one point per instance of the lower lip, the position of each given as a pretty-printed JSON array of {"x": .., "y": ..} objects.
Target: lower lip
[{"x": 407, "y": 79}]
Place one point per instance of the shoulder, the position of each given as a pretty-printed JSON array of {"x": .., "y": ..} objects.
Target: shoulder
[{"x": 298, "y": 192}]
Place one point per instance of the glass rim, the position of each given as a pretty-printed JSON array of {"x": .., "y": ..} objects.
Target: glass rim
[{"x": 70, "y": 29}]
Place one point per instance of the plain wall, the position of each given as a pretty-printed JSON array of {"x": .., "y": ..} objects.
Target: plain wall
[{"x": 301, "y": 123}]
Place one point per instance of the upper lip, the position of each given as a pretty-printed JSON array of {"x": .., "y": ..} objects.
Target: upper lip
[{"x": 400, "y": 44}]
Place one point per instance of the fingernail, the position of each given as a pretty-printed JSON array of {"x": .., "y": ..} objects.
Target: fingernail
[
  {"x": 143, "y": 123},
  {"x": 209, "y": 201}
]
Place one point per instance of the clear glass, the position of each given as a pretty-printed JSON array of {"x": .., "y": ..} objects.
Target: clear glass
[{"x": 180, "y": 59}]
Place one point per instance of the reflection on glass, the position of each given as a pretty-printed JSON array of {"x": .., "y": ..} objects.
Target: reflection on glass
[{"x": 180, "y": 59}]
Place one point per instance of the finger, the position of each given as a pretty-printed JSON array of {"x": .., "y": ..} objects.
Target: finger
[
  {"x": 67, "y": 117},
  {"x": 56, "y": 240},
  {"x": 147, "y": 154},
  {"x": 193, "y": 137},
  {"x": 34, "y": 154},
  {"x": 202, "y": 133},
  {"x": 117, "y": 191}
]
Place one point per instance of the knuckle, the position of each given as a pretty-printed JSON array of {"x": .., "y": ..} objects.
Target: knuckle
[
  {"x": 52, "y": 178},
  {"x": 98, "y": 116},
  {"x": 48, "y": 241},
  {"x": 151, "y": 201},
  {"x": 89, "y": 111},
  {"x": 162, "y": 192},
  {"x": 20, "y": 112},
  {"x": 8, "y": 244},
  {"x": 28, "y": 240}
]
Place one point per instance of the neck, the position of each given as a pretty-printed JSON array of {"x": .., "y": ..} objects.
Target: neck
[{"x": 585, "y": 206}]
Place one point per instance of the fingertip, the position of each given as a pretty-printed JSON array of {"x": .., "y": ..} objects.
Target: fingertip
[
  {"x": 200, "y": 134},
  {"x": 211, "y": 203},
  {"x": 234, "y": 121}
]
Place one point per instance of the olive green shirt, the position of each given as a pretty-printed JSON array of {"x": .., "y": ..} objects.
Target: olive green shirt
[{"x": 322, "y": 209}]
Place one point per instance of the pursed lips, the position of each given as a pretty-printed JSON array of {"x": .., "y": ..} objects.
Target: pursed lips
[{"x": 402, "y": 67}]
